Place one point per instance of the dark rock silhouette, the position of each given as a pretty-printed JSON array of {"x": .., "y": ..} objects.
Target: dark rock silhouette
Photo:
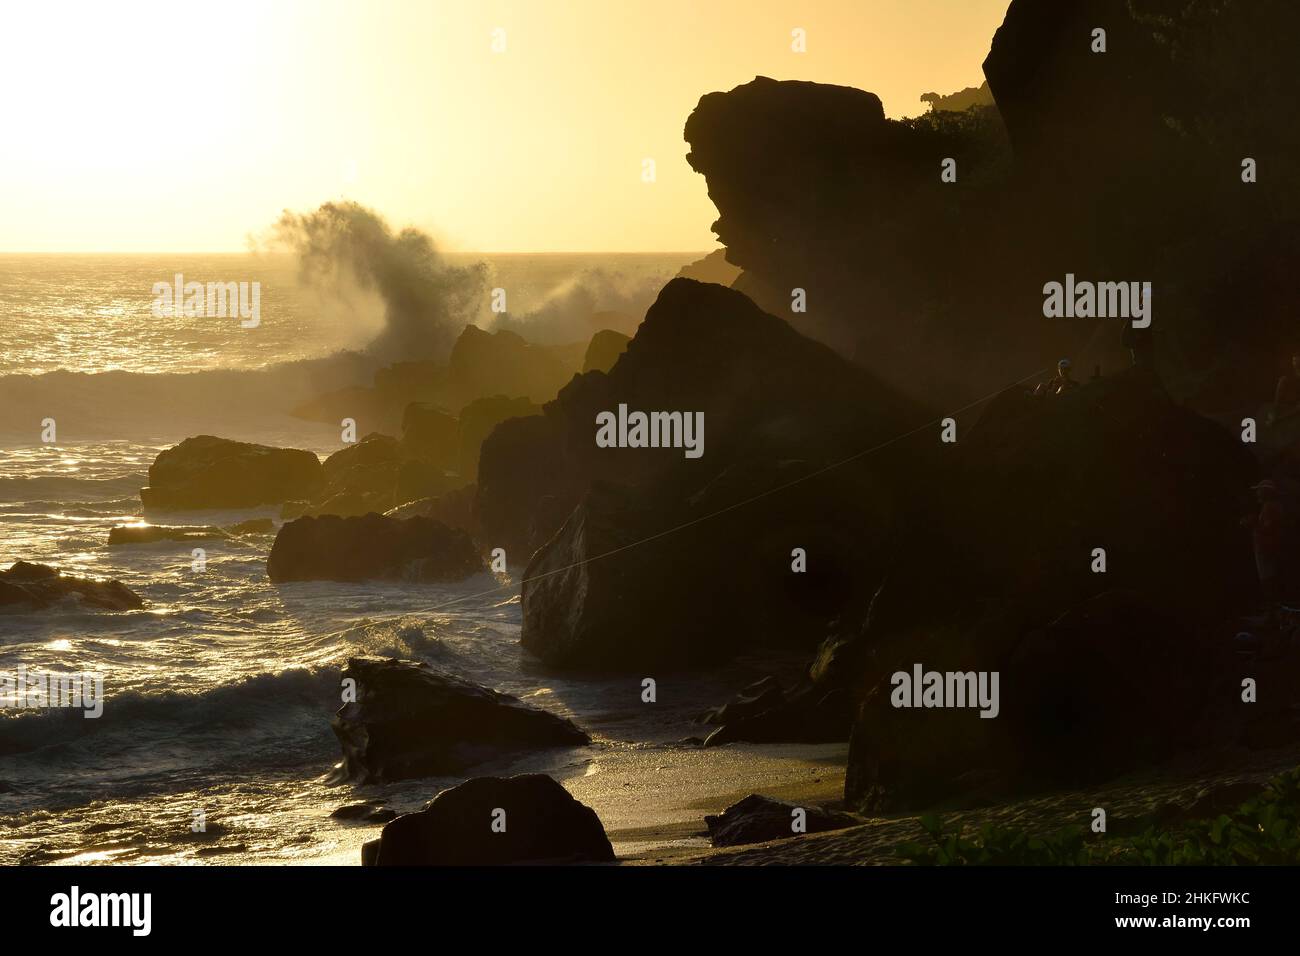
[
  {"x": 757, "y": 819},
  {"x": 765, "y": 713},
  {"x": 603, "y": 351},
  {"x": 208, "y": 472},
  {"x": 543, "y": 824},
  {"x": 1008, "y": 551},
  {"x": 371, "y": 546},
  {"x": 410, "y": 720},
  {"x": 776, "y": 407},
  {"x": 961, "y": 100},
  {"x": 478, "y": 418},
  {"x": 712, "y": 268},
  {"x": 503, "y": 362},
  {"x": 37, "y": 586}
]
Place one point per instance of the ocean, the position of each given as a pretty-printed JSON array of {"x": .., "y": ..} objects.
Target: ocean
[{"x": 218, "y": 693}]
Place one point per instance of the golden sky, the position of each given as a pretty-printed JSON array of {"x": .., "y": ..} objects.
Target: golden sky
[{"x": 188, "y": 125}]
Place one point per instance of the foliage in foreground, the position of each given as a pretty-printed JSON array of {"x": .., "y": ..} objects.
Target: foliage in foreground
[{"x": 1263, "y": 830}]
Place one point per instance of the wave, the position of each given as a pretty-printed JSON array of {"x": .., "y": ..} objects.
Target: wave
[
  {"x": 161, "y": 408},
  {"x": 260, "y": 699},
  {"x": 45, "y": 493}
]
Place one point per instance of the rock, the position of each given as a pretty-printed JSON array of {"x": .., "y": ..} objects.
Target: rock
[
  {"x": 372, "y": 546},
  {"x": 595, "y": 596},
  {"x": 543, "y": 824},
  {"x": 764, "y": 713},
  {"x": 712, "y": 268},
  {"x": 603, "y": 351},
  {"x": 504, "y": 363},
  {"x": 519, "y": 468},
  {"x": 960, "y": 101},
  {"x": 252, "y": 526},
  {"x": 454, "y": 508},
  {"x": 364, "y": 813},
  {"x": 149, "y": 534},
  {"x": 410, "y": 720},
  {"x": 1012, "y": 533},
  {"x": 39, "y": 586},
  {"x": 430, "y": 433},
  {"x": 207, "y": 472},
  {"x": 757, "y": 819},
  {"x": 478, "y": 418},
  {"x": 376, "y": 474}
]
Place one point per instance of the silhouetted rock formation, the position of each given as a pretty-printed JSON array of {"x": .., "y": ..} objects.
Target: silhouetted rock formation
[
  {"x": 542, "y": 823},
  {"x": 503, "y": 362},
  {"x": 207, "y": 472},
  {"x": 961, "y": 100},
  {"x": 757, "y": 819},
  {"x": 1127, "y": 167},
  {"x": 712, "y": 268},
  {"x": 1002, "y": 576},
  {"x": 776, "y": 408},
  {"x": 603, "y": 351},
  {"x": 478, "y": 418},
  {"x": 38, "y": 586},
  {"x": 409, "y": 720},
  {"x": 334, "y": 548}
]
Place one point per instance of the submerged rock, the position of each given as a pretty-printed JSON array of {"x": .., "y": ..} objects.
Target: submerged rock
[
  {"x": 334, "y": 548},
  {"x": 150, "y": 533},
  {"x": 39, "y": 586},
  {"x": 410, "y": 720},
  {"x": 208, "y": 472},
  {"x": 757, "y": 819},
  {"x": 493, "y": 821}
]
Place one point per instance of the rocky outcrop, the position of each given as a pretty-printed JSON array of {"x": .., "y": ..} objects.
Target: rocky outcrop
[
  {"x": 757, "y": 819},
  {"x": 478, "y": 419},
  {"x": 1003, "y": 576},
  {"x": 503, "y": 362},
  {"x": 333, "y": 548},
  {"x": 410, "y": 720},
  {"x": 604, "y": 349},
  {"x": 37, "y": 586},
  {"x": 777, "y": 408},
  {"x": 208, "y": 472},
  {"x": 495, "y": 821},
  {"x": 431, "y": 433}
]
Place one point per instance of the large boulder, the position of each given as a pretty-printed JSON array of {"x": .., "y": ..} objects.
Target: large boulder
[
  {"x": 430, "y": 432},
  {"x": 660, "y": 555},
  {"x": 37, "y": 586},
  {"x": 410, "y": 720},
  {"x": 494, "y": 821},
  {"x": 208, "y": 472},
  {"x": 333, "y": 548}
]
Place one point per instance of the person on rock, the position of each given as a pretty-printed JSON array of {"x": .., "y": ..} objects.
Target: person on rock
[{"x": 1060, "y": 383}]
